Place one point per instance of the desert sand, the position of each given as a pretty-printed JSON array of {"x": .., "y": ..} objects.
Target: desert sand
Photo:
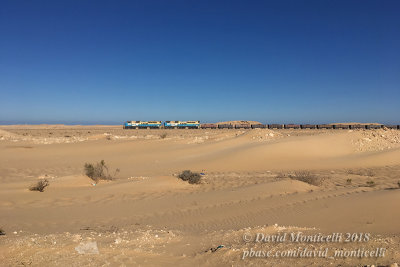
[{"x": 147, "y": 216}]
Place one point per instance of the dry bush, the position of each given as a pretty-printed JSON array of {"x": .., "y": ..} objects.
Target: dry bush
[
  {"x": 163, "y": 135},
  {"x": 40, "y": 185},
  {"x": 349, "y": 181},
  {"x": 370, "y": 183},
  {"x": 307, "y": 177},
  {"x": 191, "y": 177},
  {"x": 99, "y": 171}
]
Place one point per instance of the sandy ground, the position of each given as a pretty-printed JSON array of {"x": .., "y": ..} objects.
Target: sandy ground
[{"x": 149, "y": 217}]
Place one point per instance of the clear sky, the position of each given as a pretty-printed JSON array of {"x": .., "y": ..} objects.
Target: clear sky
[{"x": 273, "y": 61}]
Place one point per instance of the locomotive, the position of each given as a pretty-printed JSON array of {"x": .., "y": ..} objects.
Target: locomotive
[
  {"x": 182, "y": 124},
  {"x": 142, "y": 125}
]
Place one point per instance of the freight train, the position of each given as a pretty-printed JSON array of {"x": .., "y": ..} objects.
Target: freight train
[{"x": 198, "y": 125}]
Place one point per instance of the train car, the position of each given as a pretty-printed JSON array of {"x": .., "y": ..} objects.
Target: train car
[
  {"x": 391, "y": 126},
  {"x": 149, "y": 125},
  {"x": 127, "y": 125},
  {"x": 259, "y": 126},
  {"x": 132, "y": 124},
  {"x": 373, "y": 126},
  {"x": 325, "y": 126},
  {"x": 341, "y": 126},
  {"x": 171, "y": 124},
  {"x": 225, "y": 126},
  {"x": 308, "y": 126},
  {"x": 357, "y": 126},
  {"x": 209, "y": 126},
  {"x": 275, "y": 126},
  {"x": 189, "y": 125},
  {"x": 292, "y": 126},
  {"x": 242, "y": 126}
]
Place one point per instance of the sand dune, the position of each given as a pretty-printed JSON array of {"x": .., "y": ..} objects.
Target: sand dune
[{"x": 150, "y": 217}]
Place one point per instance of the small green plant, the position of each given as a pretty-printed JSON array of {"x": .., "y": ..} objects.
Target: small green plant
[
  {"x": 370, "y": 183},
  {"x": 307, "y": 177},
  {"x": 163, "y": 135},
  {"x": 99, "y": 171},
  {"x": 40, "y": 185},
  {"x": 191, "y": 177},
  {"x": 349, "y": 181}
]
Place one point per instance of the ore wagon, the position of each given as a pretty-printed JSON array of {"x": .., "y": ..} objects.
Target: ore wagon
[
  {"x": 357, "y": 126},
  {"x": 242, "y": 126},
  {"x": 391, "y": 126},
  {"x": 209, "y": 126},
  {"x": 255, "y": 126},
  {"x": 341, "y": 126},
  {"x": 373, "y": 126},
  {"x": 275, "y": 126},
  {"x": 308, "y": 126},
  {"x": 292, "y": 126},
  {"x": 225, "y": 126},
  {"x": 325, "y": 126}
]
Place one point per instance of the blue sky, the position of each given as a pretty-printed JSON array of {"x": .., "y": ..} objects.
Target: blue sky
[{"x": 272, "y": 61}]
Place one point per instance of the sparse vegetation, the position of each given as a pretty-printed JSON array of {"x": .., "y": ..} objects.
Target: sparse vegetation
[
  {"x": 99, "y": 171},
  {"x": 349, "y": 181},
  {"x": 163, "y": 135},
  {"x": 370, "y": 183},
  {"x": 191, "y": 177},
  {"x": 280, "y": 175},
  {"x": 40, "y": 185},
  {"x": 370, "y": 173},
  {"x": 307, "y": 177}
]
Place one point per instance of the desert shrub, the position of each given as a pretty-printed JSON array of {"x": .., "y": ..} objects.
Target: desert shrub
[
  {"x": 370, "y": 183},
  {"x": 40, "y": 185},
  {"x": 348, "y": 181},
  {"x": 191, "y": 177},
  {"x": 99, "y": 171},
  {"x": 2, "y": 232},
  {"x": 163, "y": 135},
  {"x": 307, "y": 177}
]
